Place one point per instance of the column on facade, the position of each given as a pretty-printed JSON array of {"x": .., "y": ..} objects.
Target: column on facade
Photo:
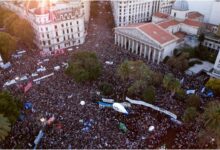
[
  {"x": 154, "y": 54},
  {"x": 129, "y": 44},
  {"x": 133, "y": 46},
  {"x": 136, "y": 47},
  {"x": 145, "y": 51},
  {"x": 125, "y": 42},
  {"x": 159, "y": 57},
  {"x": 122, "y": 40},
  {"x": 115, "y": 38},
  {"x": 149, "y": 53},
  {"x": 118, "y": 38},
  {"x": 141, "y": 49}
]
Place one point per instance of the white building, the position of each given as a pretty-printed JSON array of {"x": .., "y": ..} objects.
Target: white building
[
  {"x": 216, "y": 70},
  {"x": 135, "y": 11},
  {"x": 209, "y": 8},
  {"x": 154, "y": 41},
  {"x": 147, "y": 40},
  {"x": 57, "y": 26}
]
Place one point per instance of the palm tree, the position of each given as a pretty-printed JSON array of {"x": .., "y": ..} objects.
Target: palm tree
[
  {"x": 171, "y": 83},
  {"x": 212, "y": 119},
  {"x": 4, "y": 127}
]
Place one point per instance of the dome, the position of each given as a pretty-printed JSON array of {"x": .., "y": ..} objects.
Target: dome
[{"x": 181, "y": 5}]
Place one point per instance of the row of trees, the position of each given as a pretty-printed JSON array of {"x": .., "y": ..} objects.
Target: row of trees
[
  {"x": 9, "y": 112},
  {"x": 20, "y": 32}
]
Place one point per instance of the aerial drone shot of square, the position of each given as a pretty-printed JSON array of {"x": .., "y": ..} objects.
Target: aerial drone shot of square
[{"x": 109, "y": 74}]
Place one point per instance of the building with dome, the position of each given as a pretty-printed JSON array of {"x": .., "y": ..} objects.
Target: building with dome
[
  {"x": 57, "y": 25},
  {"x": 180, "y": 9}
]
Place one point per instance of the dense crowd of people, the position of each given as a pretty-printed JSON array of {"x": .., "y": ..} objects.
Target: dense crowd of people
[{"x": 60, "y": 96}]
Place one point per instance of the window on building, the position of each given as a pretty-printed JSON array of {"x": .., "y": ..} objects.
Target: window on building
[
  {"x": 55, "y": 27},
  {"x": 71, "y": 30},
  {"x": 67, "y": 30},
  {"x": 44, "y": 43},
  {"x": 63, "y": 32},
  {"x": 49, "y": 42},
  {"x": 46, "y": 29},
  {"x": 174, "y": 14},
  {"x": 58, "y": 46},
  {"x": 66, "y": 24},
  {"x": 61, "y": 25},
  {"x": 48, "y": 36},
  {"x": 56, "y": 33},
  {"x": 78, "y": 34},
  {"x": 77, "y": 22},
  {"x": 78, "y": 28},
  {"x": 64, "y": 38},
  {"x": 42, "y": 35},
  {"x": 70, "y": 23},
  {"x": 58, "y": 40}
]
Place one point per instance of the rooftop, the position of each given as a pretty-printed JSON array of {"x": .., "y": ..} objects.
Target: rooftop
[
  {"x": 194, "y": 15},
  {"x": 161, "y": 15},
  {"x": 173, "y": 22}
]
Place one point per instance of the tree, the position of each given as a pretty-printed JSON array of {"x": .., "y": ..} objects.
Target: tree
[
  {"x": 180, "y": 63},
  {"x": 4, "y": 127},
  {"x": 24, "y": 38},
  {"x": 211, "y": 118},
  {"x": 189, "y": 114},
  {"x": 134, "y": 70},
  {"x": 214, "y": 84},
  {"x": 10, "y": 107},
  {"x": 106, "y": 88},
  {"x": 4, "y": 13},
  {"x": 193, "y": 101},
  {"x": 138, "y": 75},
  {"x": 149, "y": 94},
  {"x": 171, "y": 83},
  {"x": 84, "y": 66},
  {"x": 156, "y": 78},
  {"x": 136, "y": 88},
  {"x": 7, "y": 45}
]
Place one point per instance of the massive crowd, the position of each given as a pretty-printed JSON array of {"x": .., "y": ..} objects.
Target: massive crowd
[{"x": 60, "y": 96}]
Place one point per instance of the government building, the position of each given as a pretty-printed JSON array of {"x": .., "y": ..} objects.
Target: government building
[
  {"x": 58, "y": 24},
  {"x": 158, "y": 39},
  {"x": 135, "y": 11}
]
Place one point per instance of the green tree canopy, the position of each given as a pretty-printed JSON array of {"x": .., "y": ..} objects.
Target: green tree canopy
[
  {"x": 4, "y": 127},
  {"x": 149, "y": 94},
  {"x": 214, "y": 84},
  {"x": 180, "y": 63},
  {"x": 10, "y": 106},
  {"x": 171, "y": 83},
  {"x": 134, "y": 70},
  {"x": 211, "y": 118},
  {"x": 84, "y": 66},
  {"x": 7, "y": 45},
  {"x": 193, "y": 101},
  {"x": 189, "y": 114}
]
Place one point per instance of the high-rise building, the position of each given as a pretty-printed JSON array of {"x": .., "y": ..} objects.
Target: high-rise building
[
  {"x": 135, "y": 11},
  {"x": 57, "y": 25}
]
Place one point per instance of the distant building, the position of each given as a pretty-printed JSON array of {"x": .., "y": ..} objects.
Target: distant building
[
  {"x": 157, "y": 40},
  {"x": 216, "y": 70},
  {"x": 147, "y": 40},
  {"x": 136, "y": 11},
  {"x": 58, "y": 25},
  {"x": 209, "y": 8}
]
